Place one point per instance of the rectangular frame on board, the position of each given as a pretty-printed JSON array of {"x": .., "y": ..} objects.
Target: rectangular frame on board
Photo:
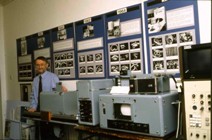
[
  {"x": 25, "y": 90},
  {"x": 124, "y": 43},
  {"x": 64, "y": 62},
  {"x": 90, "y": 40}
]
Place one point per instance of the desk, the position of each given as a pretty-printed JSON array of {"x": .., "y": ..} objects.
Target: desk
[{"x": 95, "y": 131}]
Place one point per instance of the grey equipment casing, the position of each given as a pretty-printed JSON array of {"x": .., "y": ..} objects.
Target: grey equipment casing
[
  {"x": 88, "y": 99},
  {"x": 149, "y": 83},
  {"x": 59, "y": 103},
  {"x": 153, "y": 115}
]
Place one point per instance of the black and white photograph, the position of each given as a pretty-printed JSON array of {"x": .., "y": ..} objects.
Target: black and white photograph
[
  {"x": 158, "y": 65},
  {"x": 88, "y": 31},
  {"x": 90, "y": 69},
  {"x": 114, "y": 48},
  {"x": 156, "y": 19},
  {"x": 41, "y": 42},
  {"x": 56, "y": 64},
  {"x": 63, "y": 56},
  {"x": 69, "y": 55},
  {"x": 171, "y": 39},
  {"x": 171, "y": 51},
  {"x": 61, "y": 34},
  {"x": 135, "y": 66},
  {"x": 57, "y": 57},
  {"x": 60, "y": 72},
  {"x": 157, "y": 53},
  {"x": 98, "y": 57},
  {"x": 135, "y": 56},
  {"x": 114, "y": 57},
  {"x": 124, "y": 57},
  {"x": 114, "y": 28},
  {"x": 82, "y": 70},
  {"x": 70, "y": 63},
  {"x": 23, "y": 47},
  {"x": 66, "y": 71},
  {"x": 172, "y": 64},
  {"x": 63, "y": 64},
  {"x": 185, "y": 37},
  {"x": 157, "y": 41},
  {"x": 124, "y": 46},
  {"x": 99, "y": 68},
  {"x": 125, "y": 67},
  {"x": 135, "y": 45},
  {"x": 114, "y": 68},
  {"x": 81, "y": 58},
  {"x": 90, "y": 58}
]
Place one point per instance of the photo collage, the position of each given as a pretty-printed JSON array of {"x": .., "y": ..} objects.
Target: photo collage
[
  {"x": 164, "y": 50},
  {"x": 125, "y": 55},
  {"x": 64, "y": 65},
  {"x": 91, "y": 64}
]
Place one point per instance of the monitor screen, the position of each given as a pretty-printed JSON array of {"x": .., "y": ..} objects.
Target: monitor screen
[{"x": 197, "y": 62}]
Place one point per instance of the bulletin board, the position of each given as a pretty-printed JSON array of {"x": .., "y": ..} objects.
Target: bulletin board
[
  {"x": 24, "y": 58},
  {"x": 124, "y": 40},
  {"x": 64, "y": 51},
  {"x": 169, "y": 24},
  {"x": 102, "y": 46},
  {"x": 90, "y": 41}
]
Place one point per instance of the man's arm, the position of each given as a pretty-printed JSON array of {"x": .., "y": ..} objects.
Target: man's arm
[{"x": 33, "y": 101}]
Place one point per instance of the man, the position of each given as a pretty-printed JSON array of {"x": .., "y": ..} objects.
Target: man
[{"x": 48, "y": 83}]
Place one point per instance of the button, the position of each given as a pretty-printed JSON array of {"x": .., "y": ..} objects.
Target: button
[{"x": 194, "y": 107}]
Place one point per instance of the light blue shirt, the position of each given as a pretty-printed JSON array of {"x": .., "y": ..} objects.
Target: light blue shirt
[{"x": 49, "y": 81}]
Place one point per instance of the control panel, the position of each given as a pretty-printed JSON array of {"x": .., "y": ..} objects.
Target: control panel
[{"x": 197, "y": 96}]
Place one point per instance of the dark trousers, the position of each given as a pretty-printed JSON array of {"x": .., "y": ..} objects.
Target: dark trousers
[{"x": 45, "y": 131}]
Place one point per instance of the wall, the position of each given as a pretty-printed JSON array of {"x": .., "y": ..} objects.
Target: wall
[
  {"x": 2, "y": 71},
  {"x": 25, "y": 17}
]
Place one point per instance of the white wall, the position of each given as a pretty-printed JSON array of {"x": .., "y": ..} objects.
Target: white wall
[
  {"x": 2, "y": 71},
  {"x": 25, "y": 17}
]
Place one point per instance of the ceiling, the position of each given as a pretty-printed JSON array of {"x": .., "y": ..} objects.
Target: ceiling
[{"x": 5, "y": 2}]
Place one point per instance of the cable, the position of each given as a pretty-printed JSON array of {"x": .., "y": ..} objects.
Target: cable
[{"x": 178, "y": 117}]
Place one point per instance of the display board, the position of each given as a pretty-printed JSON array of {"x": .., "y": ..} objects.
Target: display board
[
  {"x": 25, "y": 47},
  {"x": 124, "y": 40},
  {"x": 91, "y": 47},
  {"x": 64, "y": 51},
  {"x": 169, "y": 24},
  {"x": 102, "y": 46}
]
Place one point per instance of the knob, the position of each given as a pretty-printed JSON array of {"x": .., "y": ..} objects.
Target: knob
[
  {"x": 201, "y": 102},
  {"x": 201, "y": 95},
  {"x": 194, "y": 107},
  {"x": 193, "y": 95},
  {"x": 202, "y": 108},
  {"x": 197, "y": 135}
]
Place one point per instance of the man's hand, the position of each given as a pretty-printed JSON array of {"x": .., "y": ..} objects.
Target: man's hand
[
  {"x": 32, "y": 110},
  {"x": 64, "y": 89}
]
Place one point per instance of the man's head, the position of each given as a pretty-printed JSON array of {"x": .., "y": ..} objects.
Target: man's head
[{"x": 41, "y": 64}]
